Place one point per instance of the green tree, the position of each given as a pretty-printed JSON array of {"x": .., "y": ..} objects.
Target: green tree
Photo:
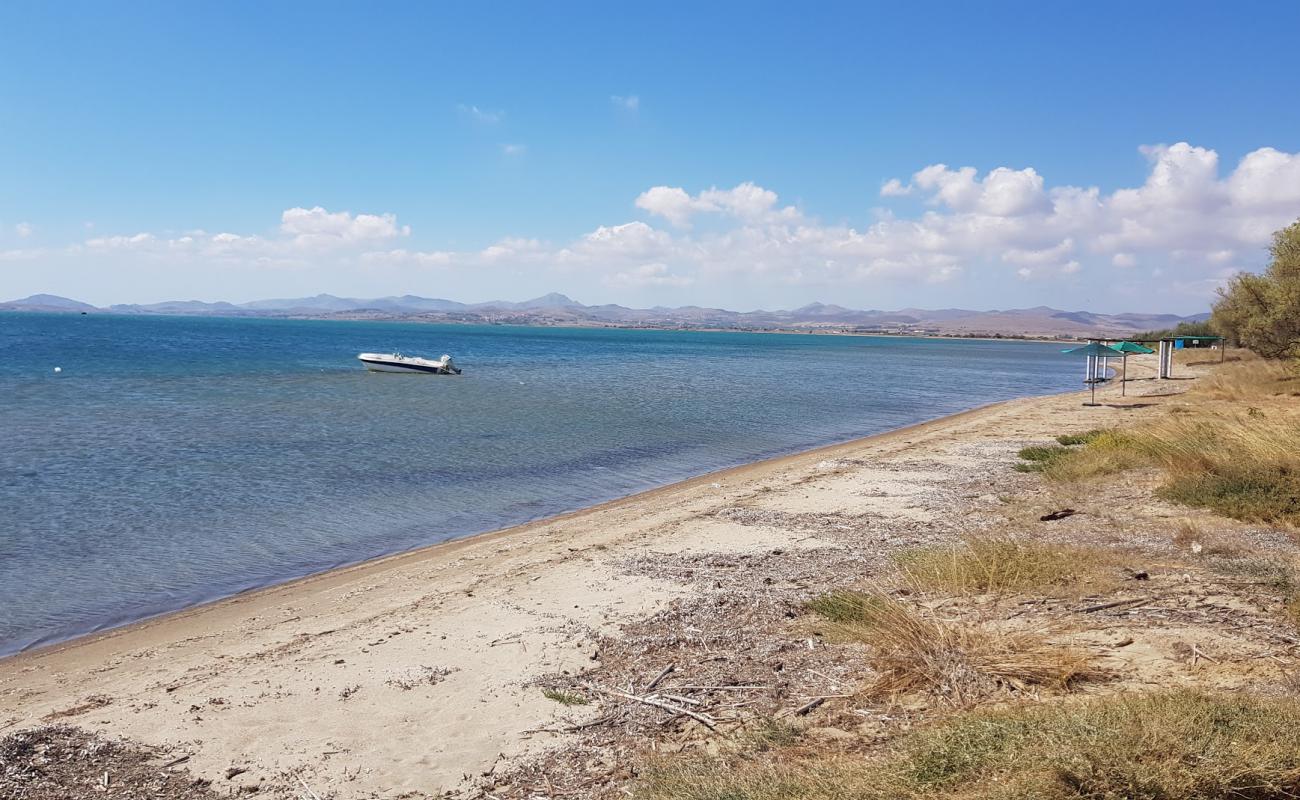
[{"x": 1262, "y": 312}]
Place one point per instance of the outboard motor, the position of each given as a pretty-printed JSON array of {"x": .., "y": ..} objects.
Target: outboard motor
[{"x": 449, "y": 365}]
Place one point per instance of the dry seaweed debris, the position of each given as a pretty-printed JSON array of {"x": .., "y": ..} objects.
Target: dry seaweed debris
[{"x": 62, "y": 762}]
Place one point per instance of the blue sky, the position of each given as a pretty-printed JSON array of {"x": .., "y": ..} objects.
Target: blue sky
[{"x": 478, "y": 150}]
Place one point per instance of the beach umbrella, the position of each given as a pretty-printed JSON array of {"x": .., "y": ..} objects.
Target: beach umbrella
[
  {"x": 1126, "y": 348},
  {"x": 1093, "y": 351}
]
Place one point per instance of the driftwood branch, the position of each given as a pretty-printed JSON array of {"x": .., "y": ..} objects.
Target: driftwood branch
[
  {"x": 808, "y": 707},
  {"x": 310, "y": 793},
  {"x": 664, "y": 673},
  {"x": 1115, "y": 604},
  {"x": 657, "y": 702}
]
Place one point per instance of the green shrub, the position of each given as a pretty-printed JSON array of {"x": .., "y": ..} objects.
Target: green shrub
[{"x": 1072, "y": 439}]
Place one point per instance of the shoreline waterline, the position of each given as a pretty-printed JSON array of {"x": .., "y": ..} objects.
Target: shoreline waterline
[
  {"x": 173, "y": 461},
  {"x": 429, "y": 666},
  {"x": 450, "y": 546}
]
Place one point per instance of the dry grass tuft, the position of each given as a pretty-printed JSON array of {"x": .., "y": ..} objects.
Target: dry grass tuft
[
  {"x": 961, "y": 663},
  {"x": 770, "y": 734},
  {"x": 1003, "y": 565},
  {"x": 1145, "y": 747},
  {"x": 1106, "y": 453}
]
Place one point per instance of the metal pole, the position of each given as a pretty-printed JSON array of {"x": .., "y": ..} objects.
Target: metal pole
[{"x": 1123, "y": 381}]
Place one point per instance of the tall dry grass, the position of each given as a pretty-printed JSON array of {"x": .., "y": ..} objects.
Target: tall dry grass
[
  {"x": 1250, "y": 379},
  {"x": 1003, "y": 565},
  {"x": 962, "y": 663},
  {"x": 1245, "y": 465},
  {"x": 1157, "y": 746}
]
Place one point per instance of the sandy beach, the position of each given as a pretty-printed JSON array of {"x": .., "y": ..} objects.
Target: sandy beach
[{"x": 419, "y": 674}]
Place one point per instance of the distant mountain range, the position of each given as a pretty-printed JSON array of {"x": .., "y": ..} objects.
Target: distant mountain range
[{"x": 557, "y": 309}]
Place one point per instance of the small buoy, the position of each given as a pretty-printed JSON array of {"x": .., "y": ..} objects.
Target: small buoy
[{"x": 58, "y": 369}]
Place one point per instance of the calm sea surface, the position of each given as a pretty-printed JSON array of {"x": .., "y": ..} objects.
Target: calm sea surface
[{"x": 176, "y": 460}]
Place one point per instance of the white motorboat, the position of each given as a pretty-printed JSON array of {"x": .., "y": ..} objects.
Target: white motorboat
[{"x": 396, "y": 362}]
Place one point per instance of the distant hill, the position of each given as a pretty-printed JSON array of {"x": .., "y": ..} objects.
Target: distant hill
[
  {"x": 46, "y": 302},
  {"x": 559, "y": 309}
]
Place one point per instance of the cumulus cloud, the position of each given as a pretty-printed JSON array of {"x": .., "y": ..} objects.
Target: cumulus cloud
[
  {"x": 747, "y": 202},
  {"x": 672, "y": 203},
  {"x": 626, "y": 102},
  {"x": 1191, "y": 220},
  {"x": 1186, "y": 215},
  {"x": 1184, "y": 212},
  {"x": 315, "y": 227},
  {"x": 894, "y": 188},
  {"x": 304, "y": 234},
  {"x": 513, "y": 249},
  {"x": 24, "y": 229},
  {"x": 1002, "y": 192}
]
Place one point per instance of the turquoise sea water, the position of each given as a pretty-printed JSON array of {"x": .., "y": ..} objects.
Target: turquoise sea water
[{"x": 176, "y": 460}]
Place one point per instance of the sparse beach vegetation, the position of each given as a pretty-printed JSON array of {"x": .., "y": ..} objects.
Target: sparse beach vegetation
[
  {"x": 961, "y": 662},
  {"x": 565, "y": 697},
  {"x": 1149, "y": 746},
  {"x": 1003, "y": 565}
]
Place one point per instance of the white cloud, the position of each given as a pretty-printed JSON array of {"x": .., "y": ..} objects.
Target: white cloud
[
  {"x": 513, "y": 250},
  {"x": 626, "y": 102},
  {"x": 1187, "y": 218},
  {"x": 400, "y": 257},
  {"x": 136, "y": 241},
  {"x": 1002, "y": 193},
  {"x": 481, "y": 115},
  {"x": 747, "y": 202},
  {"x": 304, "y": 234},
  {"x": 514, "y": 149},
  {"x": 24, "y": 229},
  {"x": 316, "y": 227},
  {"x": 894, "y": 188},
  {"x": 647, "y": 275},
  {"x": 1049, "y": 255},
  {"x": 1001, "y": 225},
  {"x": 671, "y": 203},
  {"x": 1267, "y": 179},
  {"x": 1183, "y": 212}
]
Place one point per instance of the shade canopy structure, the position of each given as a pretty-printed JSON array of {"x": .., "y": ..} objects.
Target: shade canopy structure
[
  {"x": 1131, "y": 347},
  {"x": 1091, "y": 351},
  {"x": 1095, "y": 349},
  {"x": 1126, "y": 348}
]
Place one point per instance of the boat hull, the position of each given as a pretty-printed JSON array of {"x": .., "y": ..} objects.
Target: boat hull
[{"x": 389, "y": 366}]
